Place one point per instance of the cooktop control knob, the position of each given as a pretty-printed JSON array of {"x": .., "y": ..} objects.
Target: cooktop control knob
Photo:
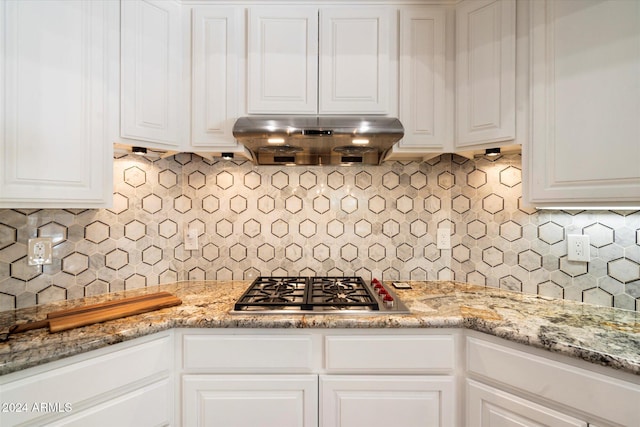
[{"x": 388, "y": 301}]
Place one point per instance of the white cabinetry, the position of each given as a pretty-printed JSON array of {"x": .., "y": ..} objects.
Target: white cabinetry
[
  {"x": 551, "y": 392},
  {"x": 473, "y": 109},
  {"x": 355, "y": 70},
  {"x": 217, "y": 49},
  {"x": 58, "y": 115},
  {"x": 151, "y": 73},
  {"x": 491, "y": 407},
  {"x": 584, "y": 146},
  {"x": 395, "y": 384},
  {"x": 386, "y": 400},
  {"x": 250, "y": 400},
  {"x": 485, "y": 72},
  {"x": 372, "y": 378},
  {"x": 357, "y": 59},
  {"x": 425, "y": 107},
  {"x": 282, "y": 60},
  {"x": 128, "y": 384}
]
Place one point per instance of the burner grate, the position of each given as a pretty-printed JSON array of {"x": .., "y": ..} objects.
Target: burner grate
[
  {"x": 308, "y": 293},
  {"x": 274, "y": 292},
  {"x": 341, "y": 293}
]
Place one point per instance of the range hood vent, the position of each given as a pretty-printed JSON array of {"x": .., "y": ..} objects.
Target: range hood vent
[{"x": 317, "y": 140}]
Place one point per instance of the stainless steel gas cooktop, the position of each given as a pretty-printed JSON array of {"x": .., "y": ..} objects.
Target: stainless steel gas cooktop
[{"x": 319, "y": 295}]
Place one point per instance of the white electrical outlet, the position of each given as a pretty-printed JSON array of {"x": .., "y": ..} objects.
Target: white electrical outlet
[
  {"x": 191, "y": 239},
  {"x": 578, "y": 247},
  {"x": 443, "y": 238},
  {"x": 39, "y": 251}
]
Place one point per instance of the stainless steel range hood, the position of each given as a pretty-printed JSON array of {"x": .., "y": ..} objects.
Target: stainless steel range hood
[{"x": 317, "y": 140}]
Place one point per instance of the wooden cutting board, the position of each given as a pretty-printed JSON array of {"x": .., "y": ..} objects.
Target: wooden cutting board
[
  {"x": 104, "y": 314},
  {"x": 71, "y": 318}
]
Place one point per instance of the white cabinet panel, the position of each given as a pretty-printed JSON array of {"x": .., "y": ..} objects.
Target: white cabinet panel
[
  {"x": 423, "y": 83},
  {"x": 250, "y": 400},
  {"x": 389, "y": 354},
  {"x": 257, "y": 353},
  {"x": 585, "y": 134},
  {"x": 485, "y": 71},
  {"x": 151, "y": 71},
  {"x": 217, "y": 49},
  {"x": 382, "y": 401},
  {"x": 58, "y": 117},
  {"x": 148, "y": 406},
  {"x": 282, "y": 60},
  {"x": 586, "y": 391},
  {"x": 490, "y": 407},
  {"x": 342, "y": 65},
  {"x": 356, "y": 59},
  {"x": 88, "y": 379}
]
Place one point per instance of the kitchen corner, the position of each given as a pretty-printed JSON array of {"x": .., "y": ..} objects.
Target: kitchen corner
[{"x": 171, "y": 157}]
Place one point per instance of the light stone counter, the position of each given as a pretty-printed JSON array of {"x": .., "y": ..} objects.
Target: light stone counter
[{"x": 604, "y": 336}]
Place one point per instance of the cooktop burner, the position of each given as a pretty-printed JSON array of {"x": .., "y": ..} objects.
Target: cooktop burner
[{"x": 317, "y": 295}]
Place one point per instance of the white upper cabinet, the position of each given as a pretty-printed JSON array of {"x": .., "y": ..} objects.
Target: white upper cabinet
[
  {"x": 425, "y": 100},
  {"x": 58, "y": 118},
  {"x": 282, "y": 60},
  {"x": 302, "y": 60},
  {"x": 584, "y": 146},
  {"x": 151, "y": 76},
  {"x": 357, "y": 58},
  {"x": 485, "y": 72},
  {"x": 217, "y": 41}
]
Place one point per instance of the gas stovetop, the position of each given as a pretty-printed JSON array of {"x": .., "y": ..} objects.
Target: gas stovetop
[{"x": 307, "y": 295}]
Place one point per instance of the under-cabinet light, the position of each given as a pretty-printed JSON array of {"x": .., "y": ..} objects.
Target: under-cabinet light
[{"x": 140, "y": 151}]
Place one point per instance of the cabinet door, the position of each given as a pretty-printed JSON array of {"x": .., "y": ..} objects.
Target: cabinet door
[
  {"x": 217, "y": 47},
  {"x": 585, "y": 138},
  {"x": 382, "y": 401},
  {"x": 59, "y": 114},
  {"x": 357, "y": 59},
  {"x": 250, "y": 400},
  {"x": 485, "y": 71},
  {"x": 147, "y": 406},
  {"x": 490, "y": 407},
  {"x": 282, "y": 55},
  {"x": 423, "y": 93},
  {"x": 151, "y": 77},
  {"x": 130, "y": 374}
]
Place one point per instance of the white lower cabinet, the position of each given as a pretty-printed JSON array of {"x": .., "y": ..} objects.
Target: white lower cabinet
[
  {"x": 250, "y": 400},
  {"x": 386, "y": 400},
  {"x": 321, "y": 378},
  {"x": 146, "y": 406},
  {"x": 127, "y": 384},
  {"x": 326, "y": 378},
  {"x": 513, "y": 385},
  {"x": 490, "y": 407}
]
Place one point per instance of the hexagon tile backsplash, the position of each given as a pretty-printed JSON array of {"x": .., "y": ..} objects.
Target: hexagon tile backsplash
[{"x": 369, "y": 221}]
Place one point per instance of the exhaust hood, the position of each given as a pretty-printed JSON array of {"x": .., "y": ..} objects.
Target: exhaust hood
[{"x": 317, "y": 140}]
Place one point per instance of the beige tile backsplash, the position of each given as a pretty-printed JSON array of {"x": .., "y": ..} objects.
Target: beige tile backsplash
[{"x": 369, "y": 221}]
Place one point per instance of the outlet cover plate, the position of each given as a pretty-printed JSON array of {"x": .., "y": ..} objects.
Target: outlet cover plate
[
  {"x": 443, "y": 238},
  {"x": 39, "y": 251},
  {"x": 578, "y": 248}
]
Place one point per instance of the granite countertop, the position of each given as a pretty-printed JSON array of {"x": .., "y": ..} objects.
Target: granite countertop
[{"x": 605, "y": 336}]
